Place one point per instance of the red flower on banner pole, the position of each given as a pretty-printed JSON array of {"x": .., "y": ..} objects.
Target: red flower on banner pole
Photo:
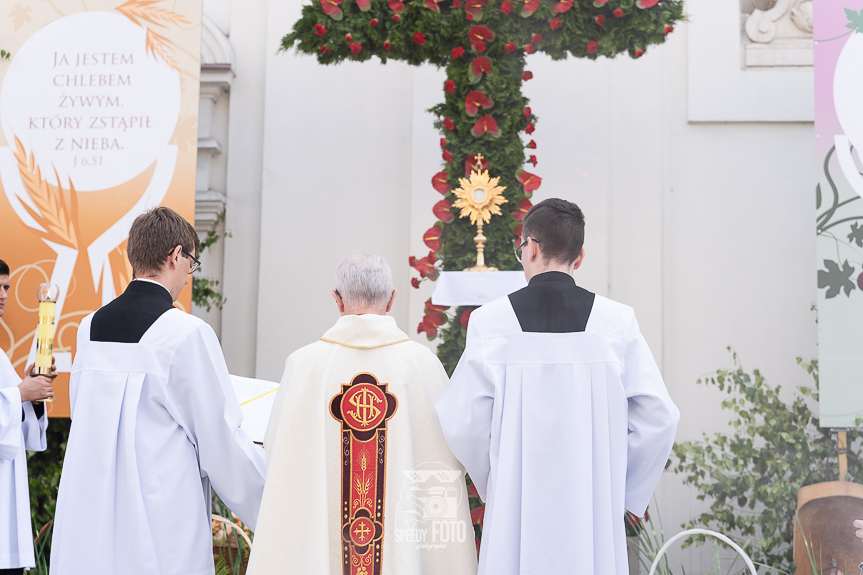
[
  {"x": 447, "y": 123},
  {"x": 639, "y": 53},
  {"x": 419, "y": 38},
  {"x": 331, "y": 8},
  {"x": 324, "y": 50},
  {"x": 486, "y": 125},
  {"x": 457, "y": 51},
  {"x": 474, "y": 8},
  {"x": 476, "y": 100},
  {"x": 510, "y": 47},
  {"x": 396, "y": 5},
  {"x": 439, "y": 182},
  {"x": 531, "y": 145},
  {"x": 387, "y": 45},
  {"x": 356, "y": 48},
  {"x": 600, "y": 20},
  {"x": 530, "y": 129},
  {"x": 533, "y": 160},
  {"x": 506, "y": 7},
  {"x": 320, "y": 30},
  {"x": 447, "y": 156},
  {"x": 562, "y": 7},
  {"x": 618, "y": 13},
  {"x": 668, "y": 30},
  {"x": 527, "y": 74},
  {"x": 592, "y": 47},
  {"x": 364, "y": 5},
  {"x": 528, "y": 112},
  {"x": 536, "y": 39},
  {"x": 431, "y": 237},
  {"x": 442, "y": 211},
  {"x": 415, "y": 283},
  {"x": 449, "y": 87},
  {"x": 478, "y": 36},
  {"x": 555, "y": 23},
  {"x": 529, "y": 7},
  {"x": 480, "y": 65},
  {"x": 529, "y": 182}
]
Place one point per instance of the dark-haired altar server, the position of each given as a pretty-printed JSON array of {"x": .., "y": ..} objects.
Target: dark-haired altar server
[
  {"x": 558, "y": 412},
  {"x": 22, "y": 428},
  {"x": 155, "y": 423}
]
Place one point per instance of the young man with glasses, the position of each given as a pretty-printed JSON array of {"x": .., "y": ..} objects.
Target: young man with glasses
[
  {"x": 558, "y": 412},
  {"x": 23, "y": 424},
  {"x": 155, "y": 423}
]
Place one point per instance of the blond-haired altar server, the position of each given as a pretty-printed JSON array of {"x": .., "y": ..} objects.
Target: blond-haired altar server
[
  {"x": 155, "y": 423},
  {"x": 23, "y": 424},
  {"x": 360, "y": 480},
  {"x": 559, "y": 413}
]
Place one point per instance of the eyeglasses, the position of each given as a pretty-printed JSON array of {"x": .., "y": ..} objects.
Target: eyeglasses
[
  {"x": 196, "y": 263},
  {"x": 517, "y": 250}
]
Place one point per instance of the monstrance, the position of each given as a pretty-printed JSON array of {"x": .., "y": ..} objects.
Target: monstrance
[{"x": 479, "y": 197}]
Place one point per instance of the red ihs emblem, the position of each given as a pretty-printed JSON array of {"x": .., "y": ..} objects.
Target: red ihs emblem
[{"x": 363, "y": 408}]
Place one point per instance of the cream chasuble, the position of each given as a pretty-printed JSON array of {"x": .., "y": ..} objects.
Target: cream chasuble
[
  {"x": 16, "y": 438},
  {"x": 360, "y": 480},
  {"x": 560, "y": 415}
]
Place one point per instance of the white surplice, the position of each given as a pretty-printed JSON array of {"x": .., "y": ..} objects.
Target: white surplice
[
  {"x": 153, "y": 425},
  {"x": 16, "y": 438},
  {"x": 300, "y": 527},
  {"x": 559, "y": 432}
]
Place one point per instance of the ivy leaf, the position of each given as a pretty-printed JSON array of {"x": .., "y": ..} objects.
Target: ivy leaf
[
  {"x": 836, "y": 279},
  {"x": 856, "y": 234},
  {"x": 855, "y": 20}
]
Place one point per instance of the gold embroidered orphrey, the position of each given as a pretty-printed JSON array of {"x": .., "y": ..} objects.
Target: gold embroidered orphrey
[{"x": 363, "y": 408}]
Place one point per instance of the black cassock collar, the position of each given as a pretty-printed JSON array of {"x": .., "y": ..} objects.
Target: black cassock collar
[
  {"x": 127, "y": 318},
  {"x": 552, "y": 303}
]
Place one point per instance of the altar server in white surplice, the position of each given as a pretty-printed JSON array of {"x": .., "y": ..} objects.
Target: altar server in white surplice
[
  {"x": 359, "y": 477},
  {"x": 155, "y": 423},
  {"x": 22, "y": 428},
  {"x": 559, "y": 413}
]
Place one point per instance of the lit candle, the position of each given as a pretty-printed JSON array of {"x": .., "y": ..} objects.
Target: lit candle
[{"x": 48, "y": 294}]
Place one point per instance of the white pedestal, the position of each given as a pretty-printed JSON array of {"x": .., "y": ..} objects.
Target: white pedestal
[{"x": 475, "y": 288}]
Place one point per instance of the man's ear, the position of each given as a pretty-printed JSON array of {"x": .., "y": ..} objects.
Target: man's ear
[
  {"x": 392, "y": 299},
  {"x": 339, "y": 301},
  {"x": 579, "y": 260},
  {"x": 174, "y": 258}
]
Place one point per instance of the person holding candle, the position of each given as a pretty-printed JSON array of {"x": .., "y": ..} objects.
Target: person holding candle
[
  {"x": 155, "y": 423},
  {"x": 23, "y": 424},
  {"x": 359, "y": 476}
]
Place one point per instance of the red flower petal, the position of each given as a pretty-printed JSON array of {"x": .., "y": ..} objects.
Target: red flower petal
[
  {"x": 396, "y": 6},
  {"x": 486, "y": 125},
  {"x": 528, "y": 50},
  {"x": 320, "y": 30},
  {"x": 364, "y": 5},
  {"x": 668, "y": 30},
  {"x": 479, "y": 35},
  {"x": 480, "y": 65},
  {"x": 475, "y": 100},
  {"x": 443, "y": 142},
  {"x": 476, "y": 515},
  {"x": 431, "y": 237},
  {"x": 331, "y": 8},
  {"x": 599, "y": 3},
  {"x": 449, "y": 87},
  {"x": 600, "y": 20},
  {"x": 447, "y": 156},
  {"x": 506, "y": 7},
  {"x": 536, "y": 39},
  {"x": 531, "y": 145},
  {"x": 465, "y": 317},
  {"x": 349, "y": 38},
  {"x": 395, "y": 17},
  {"x": 555, "y": 23},
  {"x": 324, "y": 50},
  {"x": 470, "y": 164},
  {"x": 529, "y": 182},
  {"x": 646, "y": 3},
  {"x": 356, "y": 48},
  {"x": 447, "y": 123},
  {"x": 415, "y": 283},
  {"x": 439, "y": 182},
  {"x": 533, "y": 160},
  {"x": 442, "y": 212},
  {"x": 430, "y": 307},
  {"x": 510, "y": 47},
  {"x": 517, "y": 230},
  {"x": 639, "y": 53},
  {"x": 530, "y": 128},
  {"x": 592, "y": 46},
  {"x": 457, "y": 51},
  {"x": 527, "y": 74},
  {"x": 475, "y": 7},
  {"x": 387, "y": 45},
  {"x": 419, "y": 37},
  {"x": 373, "y": 22},
  {"x": 527, "y": 112},
  {"x": 529, "y": 8},
  {"x": 562, "y": 7},
  {"x": 618, "y": 13}
]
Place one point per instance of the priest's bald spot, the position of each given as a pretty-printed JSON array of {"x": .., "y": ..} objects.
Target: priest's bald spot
[
  {"x": 558, "y": 225},
  {"x": 152, "y": 237}
]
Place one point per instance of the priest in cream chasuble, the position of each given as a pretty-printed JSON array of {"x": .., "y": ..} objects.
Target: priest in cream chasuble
[
  {"x": 360, "y": 480},
  {"x": 559, "y": 413},
  {"x": 155, "y": 424}
]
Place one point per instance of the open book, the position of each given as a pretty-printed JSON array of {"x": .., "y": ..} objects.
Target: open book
[{"x": 256, "y": 397}]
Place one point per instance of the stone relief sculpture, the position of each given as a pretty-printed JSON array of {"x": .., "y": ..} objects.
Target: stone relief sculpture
[{"x": 777, "y": 33}]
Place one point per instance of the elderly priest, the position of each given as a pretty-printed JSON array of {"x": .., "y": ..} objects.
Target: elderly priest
[
  {"x": 559, "y": 413},
  {"x": 359, "y": 476},
  {"x": 155, "y": 422},
  {"x": 22, "y": 428}
]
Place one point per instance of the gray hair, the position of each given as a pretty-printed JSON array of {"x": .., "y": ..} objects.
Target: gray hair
[{"x": 365, "y": 281}]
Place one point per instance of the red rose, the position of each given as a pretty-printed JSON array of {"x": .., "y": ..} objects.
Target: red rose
[
  {"x": 449, "y": 87},
  {"x": 555, "y": 23},
  {"x": 320, "y": 30},
  {"x": 415, "y": 283},
  {"x": 456, "y": 3},
  {"x": 527, "y": 112},
  {"x": 349, "y": 38},
  {"x": 324, "y": 50},
  {"x": 618, "y": 13},
  {"x": 373, "y": 22},
  {"x": 395, "y": 17},
  {"x": 447, "y": 123},
  {"x": 469, "y": 16},
  {"x": 506, "y": 7},
  {"x": 510, "y": 47},
  {"x": 387, "y": 45},
  {"x": 527, "y": 75},
  {"x": 420, "y": 38},
  {"x": 592, "y": 47},
  {"x": 536, "y": 38},
  {"x": 600, "y": 20},
  {"x": 528, "y": 49},
  {"x": 447, "y": 156},
  {"x": 530, "y": 128},
  {"x": 465, "y": 317},
  {"x": 639, "y": 53},
  {"x": 443, "y": 142},
  {"x": 356, "y": 48},
  {"x": 531, "y": 145},
  {"x": 533, "y": 160},
  {"x": 668, "y": 30},
  {"x": 457, "y": 51},
  {"x": 479, "y": 46}
]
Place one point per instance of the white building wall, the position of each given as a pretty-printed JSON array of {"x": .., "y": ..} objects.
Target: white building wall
[{"x": 705, "y": 228}]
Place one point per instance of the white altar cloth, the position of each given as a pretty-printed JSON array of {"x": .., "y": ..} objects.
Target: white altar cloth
[{"x": 475, "y": 288}]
